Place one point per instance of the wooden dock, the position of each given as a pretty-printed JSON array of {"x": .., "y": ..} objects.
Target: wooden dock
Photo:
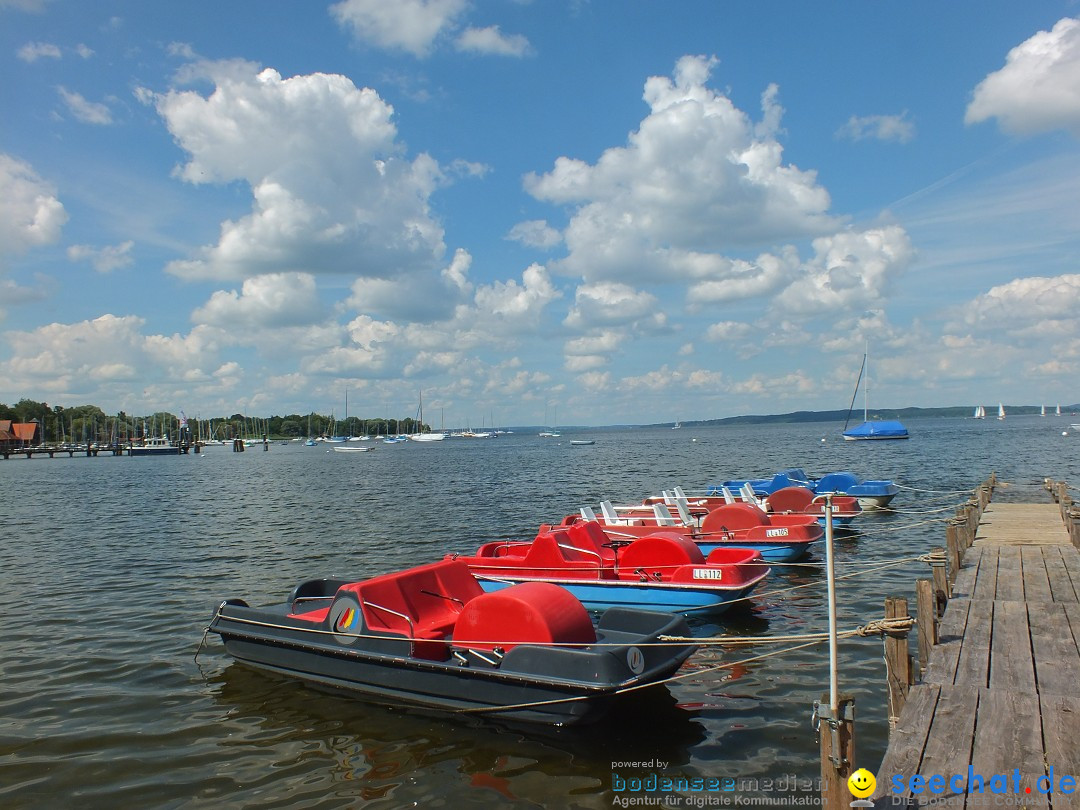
[{"x": 1001, "y": 691}]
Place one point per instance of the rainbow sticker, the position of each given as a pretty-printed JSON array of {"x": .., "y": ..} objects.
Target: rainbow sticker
[{"x": 345, "y": 621}]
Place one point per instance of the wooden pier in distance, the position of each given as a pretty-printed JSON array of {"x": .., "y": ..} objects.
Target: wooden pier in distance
[{"x": 1001, "y": 691}]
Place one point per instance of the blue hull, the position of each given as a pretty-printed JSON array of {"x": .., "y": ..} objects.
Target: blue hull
[
  {"x": 875, "y": 431},
  {"x": 770, "y": 551},
  {"x": 686, "y": 600},
  {"x": 874, "y": 494}
]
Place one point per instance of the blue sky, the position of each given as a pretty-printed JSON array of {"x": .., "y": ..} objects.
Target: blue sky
[{"x": 625, "y": 211}]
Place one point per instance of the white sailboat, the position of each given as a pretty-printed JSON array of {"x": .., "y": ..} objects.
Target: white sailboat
[
  {"x": 1001, "y": 411},
  {"x": 1042, "y": 410},
  {"x": 554, "y": 432},
  {"x": 980, "y": 412},
  {"x": 420, "y": 436}
]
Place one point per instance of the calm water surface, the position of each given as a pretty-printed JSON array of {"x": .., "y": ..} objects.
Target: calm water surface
[{"x": 111, "y": 568}]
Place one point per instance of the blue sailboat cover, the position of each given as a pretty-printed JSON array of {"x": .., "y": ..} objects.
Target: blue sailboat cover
[{"x": 885, "y": 429}]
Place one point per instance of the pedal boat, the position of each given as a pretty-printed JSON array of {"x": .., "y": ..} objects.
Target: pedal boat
[
  {"x": 871, "y": 494},
  {"x": 430, "y": 636},
  {"x": 793, "y": 500},
  {"x": 779, "y": 538},
  {"x": 662, "y": 571}
]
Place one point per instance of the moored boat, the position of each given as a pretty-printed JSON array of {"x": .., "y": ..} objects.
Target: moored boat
[
  {"x": 431, "y": 636},
  {"x": 785, "y": 538},
  {"x": 871, "y": 494},
  {"x": 787, "y": 501},
  {"x": 662, "y": 571},
  {"x": 156, "y": 446}
]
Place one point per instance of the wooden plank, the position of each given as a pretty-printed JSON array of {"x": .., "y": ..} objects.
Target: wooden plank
[
  {"x": 948, "y": 745},
  {"x": 944, "y": 657},
  {"x": 965, "y": 578},
  {"x": 1010, "y": 582},
  {"x": 1008, "y": 735},
  {"x": 1070, "y": 558},
  {"x": 1036, "y": 580},
  {"x": 1060, "y": 716},
  {"x": 1072, "y": 613},
  {"x": 1061, "y": 586},
  {"x": 973, "y": 665},
  {"x": 1011, "y": 666},
  {"x": 908, "y": 740},
  {"x": 1057, "y": 659},
  {"x": 986, "y": 581}
]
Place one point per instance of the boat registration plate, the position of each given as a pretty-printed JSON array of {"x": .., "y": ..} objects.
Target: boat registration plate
[
  {"x": 708, "y": 573},
  {"x": 776, "y": 532}
]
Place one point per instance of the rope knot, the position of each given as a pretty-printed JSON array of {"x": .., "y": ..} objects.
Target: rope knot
[{"x": 897, "y": 627}]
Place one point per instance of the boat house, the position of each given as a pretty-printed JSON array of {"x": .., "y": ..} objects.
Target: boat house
[{"x": 15, "y": 435}]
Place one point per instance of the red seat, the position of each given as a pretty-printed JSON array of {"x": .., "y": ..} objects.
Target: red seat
[
  {"x": 532, "y": 612},
  {"x": 419, "y": 603}
]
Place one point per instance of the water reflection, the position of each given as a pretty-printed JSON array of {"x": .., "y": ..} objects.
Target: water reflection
[{"x": 384, "y": 751}]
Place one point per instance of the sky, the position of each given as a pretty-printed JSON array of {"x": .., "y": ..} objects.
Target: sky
[{"x": 584, "y": 212}]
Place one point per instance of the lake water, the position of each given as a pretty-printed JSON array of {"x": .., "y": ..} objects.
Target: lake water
[{"x": 111, "y": 568}]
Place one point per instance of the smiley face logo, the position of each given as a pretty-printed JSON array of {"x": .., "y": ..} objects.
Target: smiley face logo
[{"x": 861, "y": 783}]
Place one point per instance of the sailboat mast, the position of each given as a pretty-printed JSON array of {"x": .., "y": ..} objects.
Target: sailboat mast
[{"x": 866, "y": 388}]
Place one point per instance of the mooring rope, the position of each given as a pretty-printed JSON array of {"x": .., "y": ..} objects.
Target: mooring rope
[
  {"x": 939, "y": 491},
  {"x": 636, "y": 687}
]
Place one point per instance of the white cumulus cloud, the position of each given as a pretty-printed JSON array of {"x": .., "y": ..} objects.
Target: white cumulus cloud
[
  {"x": 333, "y": 191},
  {"x": 104, "y": 259},
  {"x": 264, "y": 302},
  {"x": 1038, "y": 90},
  {"x": 535, "y": 233},
  {"x": 32, "y": 51},
  {"x": 89, "y": 112},
  {"x": 697, "y": 178},
  {"x": 878, "y": 127},
  {"x": 849, "y": 270},
  {"x": 30, "y": 213},
  {"x": 491, "y": 40},
  {"x": 408, "y": 25},
  {"x": 1028, "y": 305}
]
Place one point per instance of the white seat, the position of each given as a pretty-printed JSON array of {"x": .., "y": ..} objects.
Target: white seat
[
  {"x": 728, "y": 497},
  {"x": 609, "y": 513},
  {"x": 678, "y": 492},
  {"x": 663, "y": 515},
  {"x": 587, "y": 513},
  {"x": 683, "y": 507}
]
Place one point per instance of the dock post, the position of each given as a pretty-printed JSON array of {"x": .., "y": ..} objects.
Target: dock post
[
  {"x": 837, "y": 751},
  {"x": 941, "y": 579},
  {"x": 954, "y": 552},
  {"x": 927, "y": 619},
  {"x": 897, "y": 659}
]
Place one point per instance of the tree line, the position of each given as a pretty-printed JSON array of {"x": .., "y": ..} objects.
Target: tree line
[{"x": 88, "y": 423}]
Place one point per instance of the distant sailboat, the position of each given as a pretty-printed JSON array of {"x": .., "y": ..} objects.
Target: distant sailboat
[
  {"x": 980, "y": 412},
  {"x": 1042, "y": 410},
  {"x": 1057, "y": 411},
  {"x": 1001, "y": 411},
  {"x": 553, "y": 433}
]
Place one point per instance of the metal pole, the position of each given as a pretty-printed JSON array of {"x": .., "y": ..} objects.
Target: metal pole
[{"x": 831, "y": 575}]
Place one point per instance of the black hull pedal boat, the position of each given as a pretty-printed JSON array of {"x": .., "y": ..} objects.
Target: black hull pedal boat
[{"x": 430, "y": 636}]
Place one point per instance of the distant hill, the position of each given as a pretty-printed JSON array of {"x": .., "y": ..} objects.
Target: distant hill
[{"x": 856, "y": 416}]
